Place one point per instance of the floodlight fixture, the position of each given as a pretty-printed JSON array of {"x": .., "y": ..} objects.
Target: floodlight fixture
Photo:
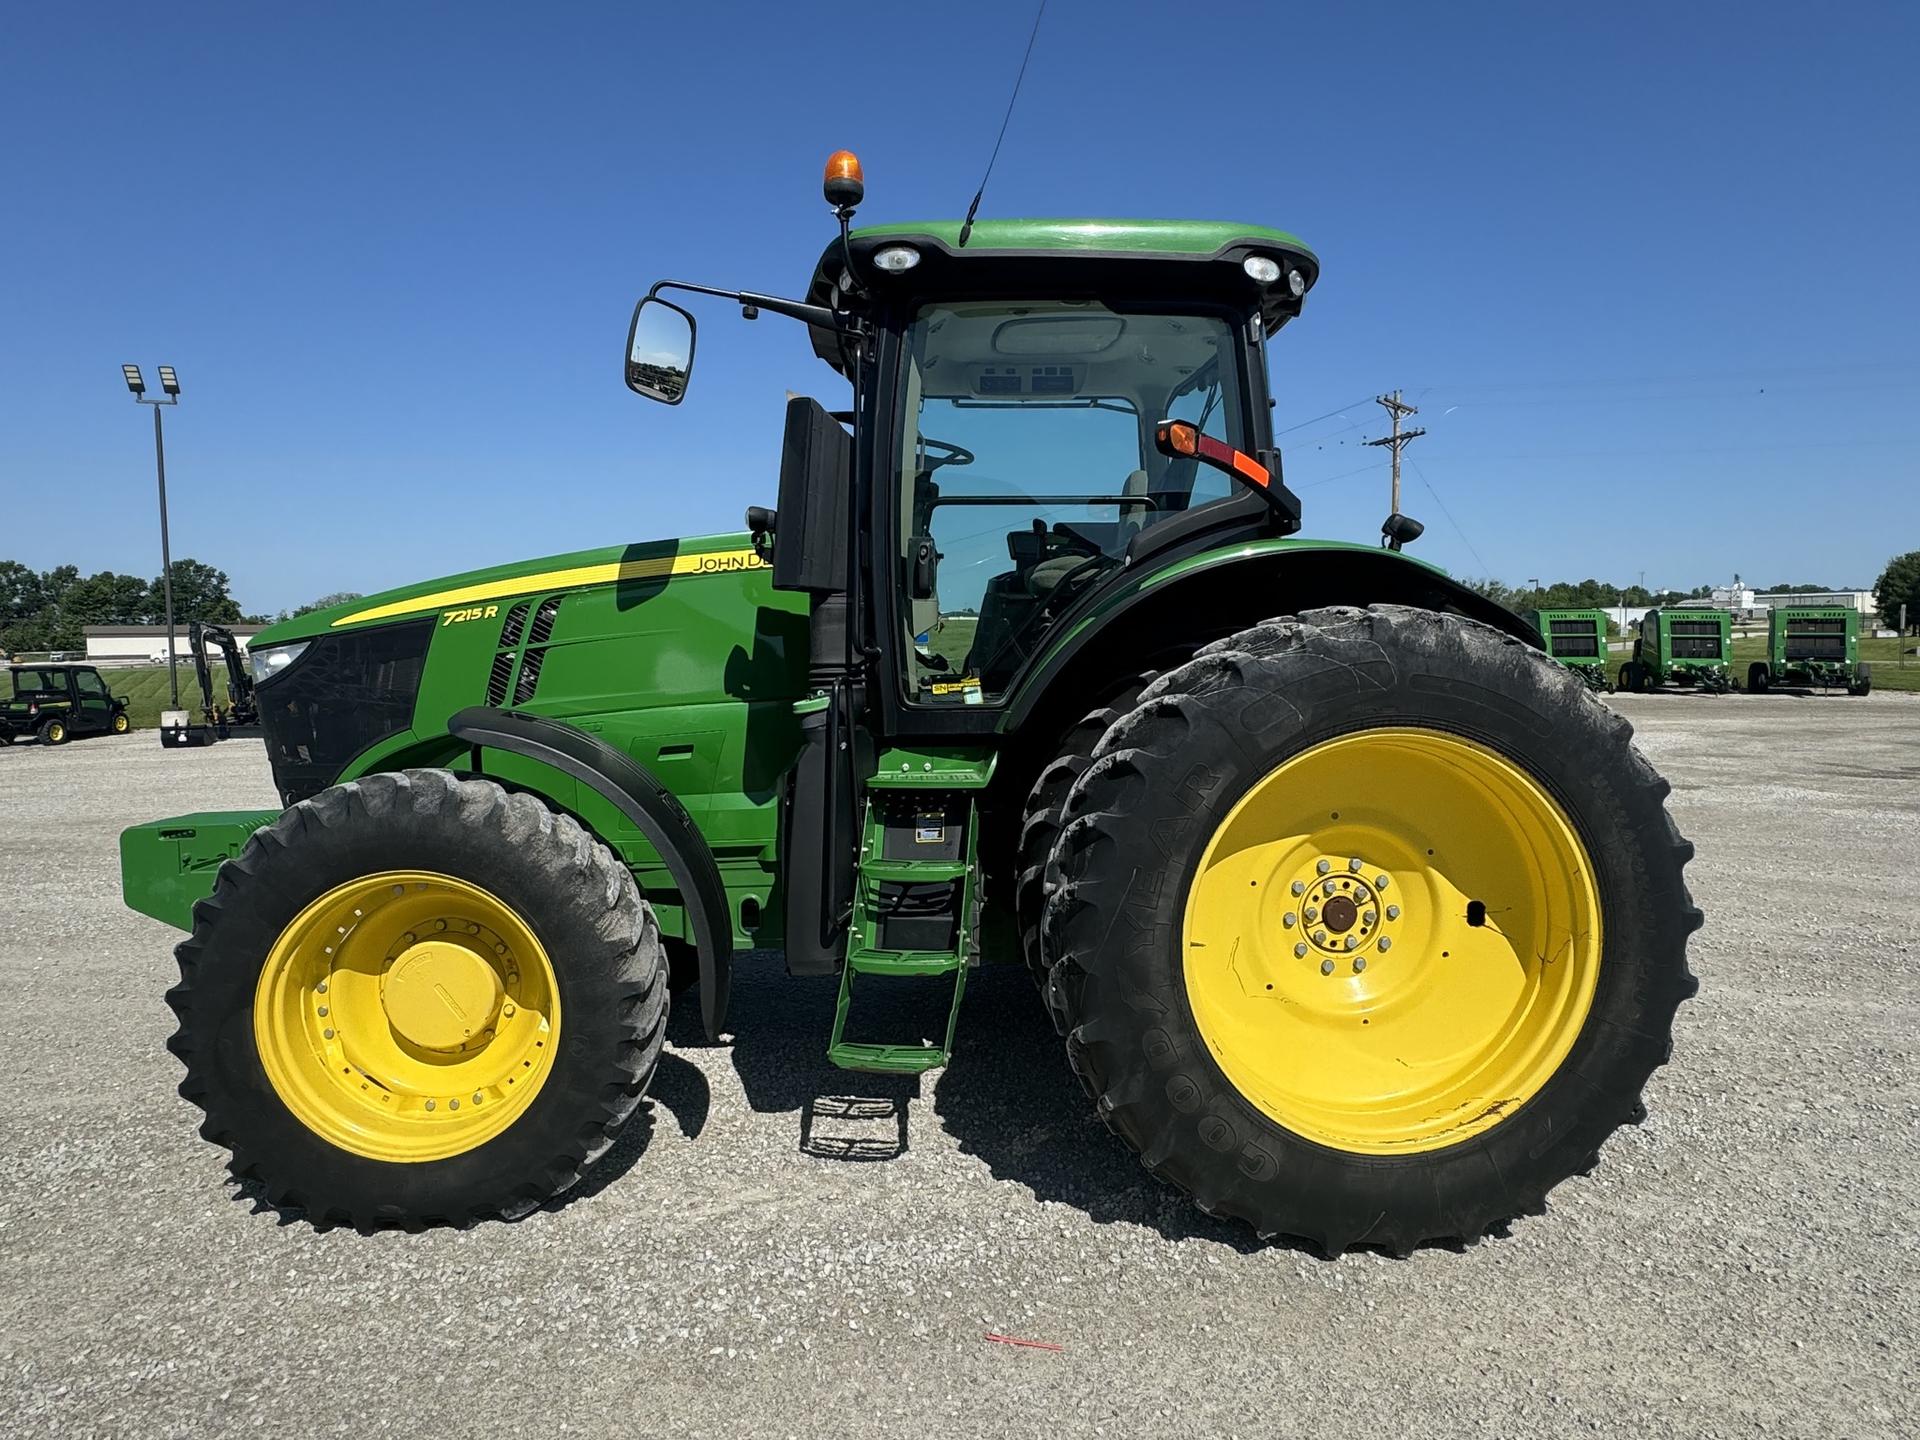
[
  {"x": 134, "y": 382},
  {"x": 169, "y": 381}
]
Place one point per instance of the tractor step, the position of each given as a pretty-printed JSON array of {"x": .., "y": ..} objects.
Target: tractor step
[
  {"x": 913, "y": 908},
  {"x": 887, "y": 1059},
  {"x": 904, "y": 962}
]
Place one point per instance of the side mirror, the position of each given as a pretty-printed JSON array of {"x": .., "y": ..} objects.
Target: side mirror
[
  {"x": 659, "y": 351},
  {"x": 1401, "y": 530}
]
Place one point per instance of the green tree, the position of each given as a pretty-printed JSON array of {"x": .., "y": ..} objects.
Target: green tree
[
  {"x": 106, "y": 599},
  {"x": 199, "y": 593},
  {"x": 338, "y": 597},
  {"x": 1899, "y": 584}
]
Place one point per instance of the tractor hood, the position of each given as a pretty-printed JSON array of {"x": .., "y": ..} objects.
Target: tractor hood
[{"x": 645, "y": 564}]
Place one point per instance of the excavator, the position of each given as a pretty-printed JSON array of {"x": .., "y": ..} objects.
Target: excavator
[{"x": 237, "y": 717}]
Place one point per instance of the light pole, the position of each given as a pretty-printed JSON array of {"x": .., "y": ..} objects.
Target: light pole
[{"x": 170, "y": 386}]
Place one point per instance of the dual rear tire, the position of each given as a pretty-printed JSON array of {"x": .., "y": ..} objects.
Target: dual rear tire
[{"x": 1367, "y": 927}]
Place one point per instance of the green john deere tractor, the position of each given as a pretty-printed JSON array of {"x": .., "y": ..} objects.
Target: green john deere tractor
[
  {"x": 1577, "y": 639},
  {"x": 1815, "y": 648},
  {"x": 1691, "y": 649},
  {"x": 1359, "y": 918}
]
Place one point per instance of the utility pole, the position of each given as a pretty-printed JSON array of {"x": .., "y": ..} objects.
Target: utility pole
[{"x": 1396, "y": 407}]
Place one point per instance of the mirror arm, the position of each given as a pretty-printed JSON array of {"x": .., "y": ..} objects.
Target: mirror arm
[{"x": 794, "y": 309}]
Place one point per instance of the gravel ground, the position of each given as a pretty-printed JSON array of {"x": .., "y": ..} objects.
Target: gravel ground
[{"x": 1744, "y": 1264}]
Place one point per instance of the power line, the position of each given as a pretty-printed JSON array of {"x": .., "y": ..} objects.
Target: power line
[
  {"x": 1485, "y": 569},
  {"x": 1328, "y": 416}
]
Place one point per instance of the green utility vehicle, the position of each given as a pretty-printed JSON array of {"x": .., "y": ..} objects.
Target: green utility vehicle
[
  {"x": 1815, "y": 647},
  {"x": 1360, "y": 919},
  {"x": 57, "y": 702},
  {"x": 1688, "y": 648},
  {"x": 1577, "y": 639}
]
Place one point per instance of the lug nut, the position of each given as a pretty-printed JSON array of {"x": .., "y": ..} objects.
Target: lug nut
[
  {"x": 1354, "y": 866},
  {"x": 321, "y": 988},
  {"x": 323, "y": 1010},
  {"x": 1352, "y": 940},
  {"x": 429, "y": 1104},
  {"x": 1386, "y": 944},
  {"x": 1359, "y": 964},
  {"x": 1311, "y": 913},
  {"x": 1319, "y": 937},
  {"x": 1323, "y": 866},
  {"x": 1300, "y": 952},
  {"x": 476, "y": 1097},
  {"x": 1393, "y": 912},
  {"x": 1380, "y": 882},
  {"x": 1326, "y": 967},
  {"x": 326, "y": 1034},
  {"x": 1288, "y": 919},
  {"x": 1299, "y": 887},
  {"x": 1371, "y": 917}
]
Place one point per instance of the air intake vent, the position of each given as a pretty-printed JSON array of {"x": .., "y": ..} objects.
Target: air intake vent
[
  {"x": 529, "y": 676},
  {"x": 497, "y": 681},
  {"x": 516, "y": 622},
  {"x": 543, "y": 621}
]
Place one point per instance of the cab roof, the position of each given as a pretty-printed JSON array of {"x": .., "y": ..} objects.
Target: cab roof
[{"x": 1167, "y": 259}]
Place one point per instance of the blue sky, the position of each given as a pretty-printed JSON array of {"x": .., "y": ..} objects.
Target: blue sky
[{"x": 1647, "y": 270}]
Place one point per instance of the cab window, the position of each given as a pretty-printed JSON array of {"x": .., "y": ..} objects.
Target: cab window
[
  {"x": 90, "y": 682},
  {"x": 1028, "y": 467}
]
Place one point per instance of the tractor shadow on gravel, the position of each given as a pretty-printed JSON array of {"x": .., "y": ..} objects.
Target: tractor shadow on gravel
[{"x": 1008, "y": 1098}]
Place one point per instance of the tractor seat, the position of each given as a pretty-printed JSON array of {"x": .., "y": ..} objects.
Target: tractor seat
[{"x": 1046, "y": 576}]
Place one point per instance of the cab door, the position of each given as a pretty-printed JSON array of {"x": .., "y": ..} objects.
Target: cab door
[{"x": 92, "y": 702}]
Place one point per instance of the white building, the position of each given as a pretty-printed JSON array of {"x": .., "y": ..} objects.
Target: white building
[{"x": 139, "y": 644}]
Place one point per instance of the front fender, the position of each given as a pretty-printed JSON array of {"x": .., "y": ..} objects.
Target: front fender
[{"x": 655, "y": 812}]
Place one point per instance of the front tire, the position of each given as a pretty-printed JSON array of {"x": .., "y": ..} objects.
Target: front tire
[
  {"x": 417, "y": 999},
  {"x": 121, "y": 724},
  {"x": 1304, "y": 1077}
]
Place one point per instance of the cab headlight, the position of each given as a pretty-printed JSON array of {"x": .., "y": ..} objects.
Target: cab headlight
[{"x": 271, "y": 661}]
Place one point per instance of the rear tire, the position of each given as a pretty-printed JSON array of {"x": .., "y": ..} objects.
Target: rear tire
[
  {"x": 1143, "y": 821},
  {"x": 574, "y": 897},
  {"x": 54, "y": 732},
  {"x": 1040, "y": 822},
  {"x": 1757, "y": 677},
  {"x": 1862, "y": 681}
]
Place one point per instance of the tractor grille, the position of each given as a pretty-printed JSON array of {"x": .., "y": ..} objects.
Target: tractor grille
[
  {"x": 543, "y": 618},
  {"x": 1573, "y": 639},
  {"x": 348, "y": 690},
  {"x": 516, "y": 622},
  {"x": 497, "y": 680},
  {"x": 529, "y": 680},
  {"x": 1822, "y": 639}
]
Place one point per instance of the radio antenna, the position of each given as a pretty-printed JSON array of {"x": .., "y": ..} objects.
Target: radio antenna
[{"x": 966, "y": 226}]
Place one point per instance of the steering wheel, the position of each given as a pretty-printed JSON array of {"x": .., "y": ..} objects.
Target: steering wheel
[{"x": 951, "y": 454}]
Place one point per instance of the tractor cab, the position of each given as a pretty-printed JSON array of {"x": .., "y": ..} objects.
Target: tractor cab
[{"x": 1040, "y": 407}]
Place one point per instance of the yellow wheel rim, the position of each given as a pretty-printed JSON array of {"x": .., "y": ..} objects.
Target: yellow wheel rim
[
  {"x": 1392, "y": 941},
  {"x": 56, "y": 732},
  {"x": 121, "y": 724},
  {"x": 407, "y": 1016}
]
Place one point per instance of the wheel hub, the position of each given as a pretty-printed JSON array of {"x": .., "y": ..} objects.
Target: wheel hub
[
  {"x": 439, "y": 995},
  {"x": 1342, "y": 910}
]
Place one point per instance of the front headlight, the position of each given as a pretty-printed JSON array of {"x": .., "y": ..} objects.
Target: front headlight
[{"x": 271, "y": 661}]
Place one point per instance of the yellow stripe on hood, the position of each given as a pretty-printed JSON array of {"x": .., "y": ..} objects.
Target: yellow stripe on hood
[{"x": 711, "y": 562}]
